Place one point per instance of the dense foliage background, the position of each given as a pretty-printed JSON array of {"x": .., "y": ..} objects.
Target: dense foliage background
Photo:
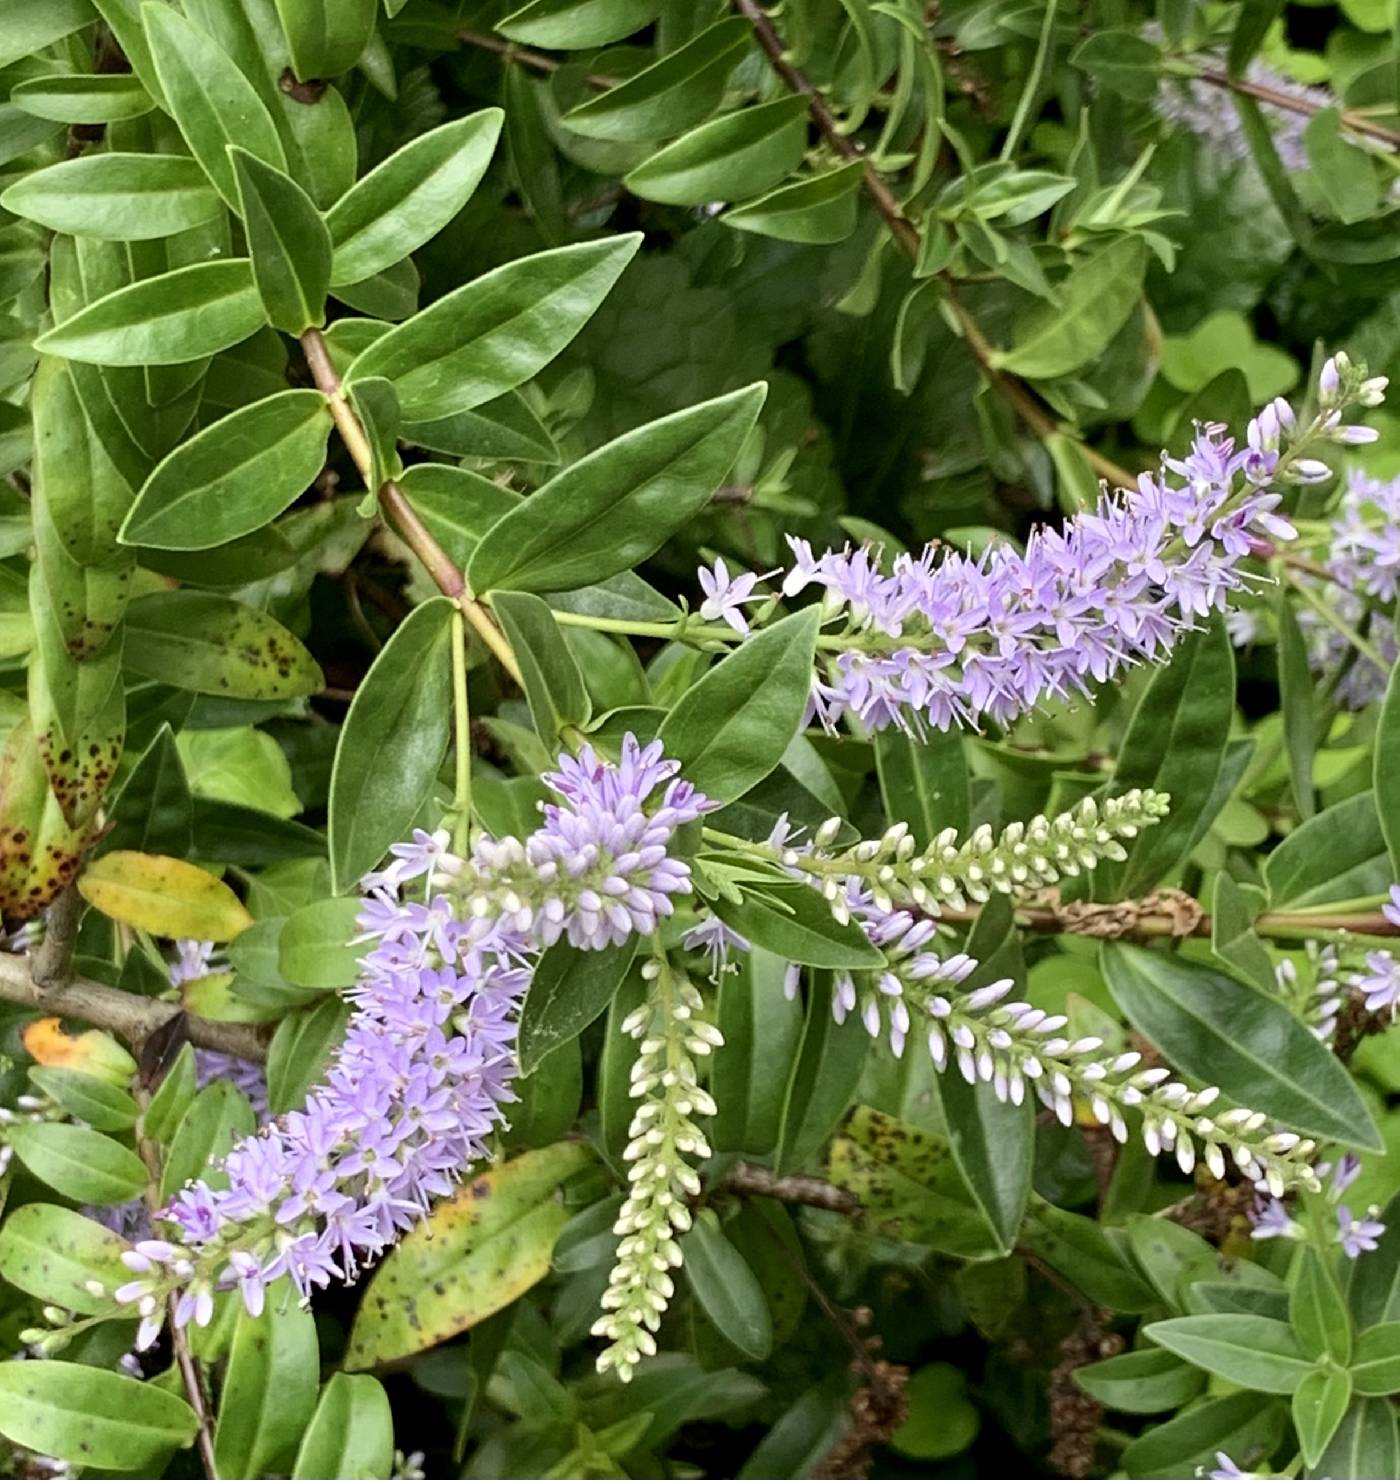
[{"x": 862, "y": 271}]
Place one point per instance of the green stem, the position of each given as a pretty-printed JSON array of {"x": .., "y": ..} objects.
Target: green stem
[
  {"x": 463, "y": 793},
  {"x": 1328, "y": 615},
  {"x": 1033, "y": 80}
]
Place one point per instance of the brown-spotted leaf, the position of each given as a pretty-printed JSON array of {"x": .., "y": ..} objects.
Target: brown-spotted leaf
[
  {"x": 39, "y": 852},
  {"x": 908, "y": 1183},
  {"x": 472, "y": 1256},
  {"x": 87, "y": 601},
  {"x": 165, "y": 896}
]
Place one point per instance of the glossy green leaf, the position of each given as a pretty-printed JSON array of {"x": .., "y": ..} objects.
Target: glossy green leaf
[
  {"x": 554, "y": 686},
  {"x": 218, "y": 1116},
  {"x": 817, "y": 211},
  {"x": 1338, "y": 855},
  {"x": 1387, "y": 773},
  {"x": 496, "y": 332},
  {"x": 234, "y": 476},
  {"x": 1223, "y": 1032},
  {"x": 1319, "y": 1405},
  {"x": 821, "y": 1081},
  {"x": 1149, "y": 1381},
  {"x": 214, "y": 645},
  {"x": 671, "y": 95},
  {"x": 1375, "y": 1367},
  {"x": 411, "y": 196},
  {"x": 730, "y": 158},
  {"x": 326, "y": 37},
  {"x": 77, "y": 1162},
  {"x": 610, "y": 510},
  {"x": 1083, "y": 1252},
  {"x": 300, "y": 1051},
  {"x": 762, "y": 1030},
  {"x": 923, "y": 784},
  {"x": 269, "y": 1388},
  {"x": 174, "y": 1096},
  {"x": 315, "y": 947},
  {"x": 52, "y": 1253},
  {"x": 153, "y": 812},
  {"x": 1232, "y": 936},
  {"x": 797, "y": 924},
  {"x": 569, "y": 990},
  {"x": 118, "y": 197},
  {"x": 1366, "y": 1444},
  {"x": 1317, "y": 1310},
  {"x": 393, "y": 743},
  {"x": 171, "y": 319},
  {"x": 573, "y": 24},
  {"x": 102, "y": 1105},
  {"x": 726, "y": 1289},
  {"x": 1345, "y": 172},
  {"x": 351, "y": 1434},
  {"x": 1122, "y": 61},
  {"x": 1251, "y": 1424},
  {"x": 1296, "y": 704},
  {"x": 471, "y": 1256},
  {"x": 32, "y": 25},
  {"x": 91, "y": 1417},
  {"x": 731, "y": 728},
  {"x": 209, "y": 97},
  {"x": 1252, "y": 1351},
  {"x": 1092, "y": 305},
  {"x": 288, "y": 244},
  {"x": 77, "y": 98}
]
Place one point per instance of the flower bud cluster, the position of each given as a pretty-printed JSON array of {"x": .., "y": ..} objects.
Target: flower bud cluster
[{"x": 664, "y": 1141}]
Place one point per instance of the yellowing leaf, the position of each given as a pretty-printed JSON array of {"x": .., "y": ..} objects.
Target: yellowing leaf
[
  {"x": 163, "y": 895},
  {"x": 92, "y": 1052},
  {"x": 472, "y": 1256}
]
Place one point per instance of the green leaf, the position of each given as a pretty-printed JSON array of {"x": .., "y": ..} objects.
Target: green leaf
[
  {"x": 210, "y": 99},
  {"x": 52, "y": 1253},
  {"x": 474, "y": 1254},
  {"x": 218, "y": 1116},
  {"x": 1149, "y": 1381},
  {"x": 923, "y": 783},
  {"x": 1222, "y": 1032},
  {"x": 32, "y": 25},
  {"x": 554, "y": 686},
  {"x": 797, "y": 924},
  {"x": 410, "y": 197},
  {"x": 799, "y": 1441},
  {"x": 1387, "y": 773},
  {"x": 118, "y": 197},
  {"x": 77, "y": 1162},
  {"x": 572, "y": 25},
  {"x": 165, "y": 896},
  {"x": 1366, "y": 1444},
  {"x": 1375, "y": 1368},
  {"x": 1317, "y": 1310},
  {"x": 234, "y": 476},
  {"x": 1122, "y": 61},
  {"x": 1251, "y": 26},
  {"x": 300, "y": 1051},
  {"x": 288, "y": 244},
  {"x": 171, "y": 319},
  {"x": 730, "y": 158},
  {"x": 762, "y": 1033},
  {"x": 326, "y": 37},
  {"x": 103, "y": 1105},
  {"x": 726, "y": 1289},
  {"x": 153, "y": 812},
  {"x": 615, "y": 507},
  {"x": 1338, "y": 855},
  {"x": 1296, "y": 703},
  {"x": 175, "y": 1095},
  {"x": 214, "y": 645},
  {"x": 1082, "y": 1251},
  {"x": 682, "y": 88},
  {"x": 91, "y": 1417},
  {"x": 76, "y": 98},
  {"x": 1092, "y": 304},
  {"x": 351, "y": 1434},
  {"x": 1252, "y": 1351},
  {"x": 1249, "y": 1424},
  {"x": 1319, "y": 1405},
  {"x": 1344, "y": 172},
  {"x": 731, "y": 728},
  {"x": 819, "y": 210},
  {"x": 497, "y": 332},
  {"x": 1232, "y": 934},
  {"x": 393, "y": 743},
  {"x": 269, "y": 1388},
  {"x": 822, "y": 1080},
  {"x": 314, "y": 948},
  {"x": 569, "y": 990}
]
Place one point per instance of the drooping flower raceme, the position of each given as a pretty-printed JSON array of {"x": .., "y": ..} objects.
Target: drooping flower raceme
[
  {"x": 423, "y": 1076},
  {"x": 944, "y": 639}
]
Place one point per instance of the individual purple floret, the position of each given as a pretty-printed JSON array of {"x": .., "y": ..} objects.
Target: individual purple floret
[
  {"x": 420, "y": 1084},
  {"x": 1358, "y": 1236}
]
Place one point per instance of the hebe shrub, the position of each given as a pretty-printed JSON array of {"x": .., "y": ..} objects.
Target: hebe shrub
[{"x": 698, "y": 769}]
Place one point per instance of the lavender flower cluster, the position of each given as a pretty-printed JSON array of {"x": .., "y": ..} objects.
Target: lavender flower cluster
[
  {"x": 421, "y": 1081},
  {"x": 1363, "y": 563},
  {"x": 947, "y": 641},
  {"x": 1355, "y": 1236}
]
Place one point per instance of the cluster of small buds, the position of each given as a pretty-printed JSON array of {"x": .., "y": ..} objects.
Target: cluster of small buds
[
  {"x": 664, "y": 1141},
  {"x": 948, "y": 873},
  {"x": 1354, "y": 1235},
  {"x": 1317, "y": 993}
]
